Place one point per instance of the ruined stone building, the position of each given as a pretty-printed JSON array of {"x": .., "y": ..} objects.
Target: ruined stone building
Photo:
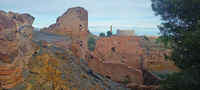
[
  {"x": 122, "y": 57},
  {"x": 121, "y": 49},
  {"x": 73, "y": 23},
  {"x": 118, "y": 57},
  {"x": 117, "y": 61}
]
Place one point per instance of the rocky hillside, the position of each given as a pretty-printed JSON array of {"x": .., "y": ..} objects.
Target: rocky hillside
[{"x": 54, "y": 68}]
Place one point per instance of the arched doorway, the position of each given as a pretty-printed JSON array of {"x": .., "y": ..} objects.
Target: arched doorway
[
  {"x": 108, "y": 77},
  {"x": 127, "y": 79}
]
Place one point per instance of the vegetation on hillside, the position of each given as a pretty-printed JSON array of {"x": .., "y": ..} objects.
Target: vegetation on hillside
[
  {"x": 146, "y": 38},
  {"x": 185, "y": 80}
]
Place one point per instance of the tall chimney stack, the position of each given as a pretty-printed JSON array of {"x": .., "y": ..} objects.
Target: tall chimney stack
[{"x": 111, "y": 28}]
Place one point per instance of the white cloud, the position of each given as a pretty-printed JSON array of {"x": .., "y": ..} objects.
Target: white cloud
[{"x": 102, "y": 13}]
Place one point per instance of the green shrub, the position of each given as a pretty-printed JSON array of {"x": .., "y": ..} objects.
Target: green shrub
[
  {"x": 91, "y": 43},
  {"x": 125, "y": 82},
  {"x": 109, "y": 33},
  {"x": 102, "y": 34}
]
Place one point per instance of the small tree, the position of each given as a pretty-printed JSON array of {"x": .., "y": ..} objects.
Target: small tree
[
  {"x": 109, "y": 33},
  {"x": 102, "y": 34},
  {"x": 125, "y": 82}
]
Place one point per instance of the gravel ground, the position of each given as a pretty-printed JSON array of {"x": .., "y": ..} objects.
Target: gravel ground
[{"x": 50, "y": 38}]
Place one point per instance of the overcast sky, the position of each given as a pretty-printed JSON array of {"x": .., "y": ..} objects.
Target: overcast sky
[{"x": 121, "y": 14}]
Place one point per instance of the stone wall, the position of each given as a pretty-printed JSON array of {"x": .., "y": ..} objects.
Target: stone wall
[
  {"x": 155, "y": 57},
  {"x": 118, "y": 58},
  {"x": 125, "y": 33},
  {"x": 15, "y": 46},
  {"x": 116, "y": 72},
  {"x": 123, "y": 49}
]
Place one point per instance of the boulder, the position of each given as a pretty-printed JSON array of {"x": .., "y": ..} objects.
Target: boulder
[{"x": 43, "y": 43}]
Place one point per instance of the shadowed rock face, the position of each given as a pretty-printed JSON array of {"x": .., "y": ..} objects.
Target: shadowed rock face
[{"x": 15, "y": 46}]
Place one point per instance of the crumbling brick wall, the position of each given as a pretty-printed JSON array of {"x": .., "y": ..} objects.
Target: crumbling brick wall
[
  {"x": 117, "y": 72},
  {"x": 120, "y": 49},
  {"x": 155, "y": 57},
  {"x": 15, "y": 47},
  {"x": 73, "y": 23}
]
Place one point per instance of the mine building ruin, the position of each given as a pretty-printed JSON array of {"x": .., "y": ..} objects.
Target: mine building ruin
[{"x": 125, "y": 32}]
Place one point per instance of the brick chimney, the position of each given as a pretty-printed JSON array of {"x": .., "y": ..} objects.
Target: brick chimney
[{"x": 111, "y": 28}]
